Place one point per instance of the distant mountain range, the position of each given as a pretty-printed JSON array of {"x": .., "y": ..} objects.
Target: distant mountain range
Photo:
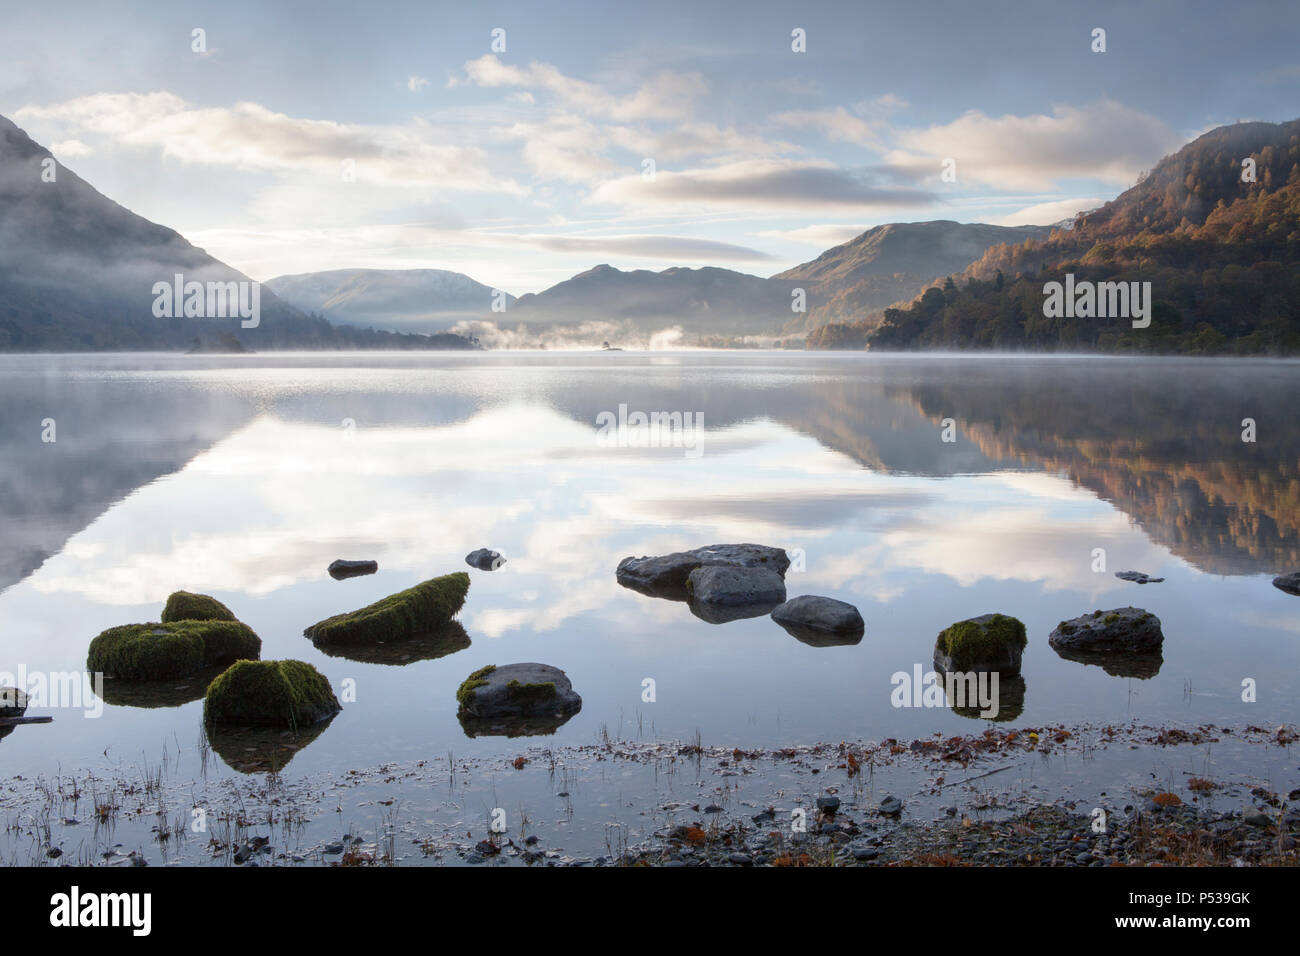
[
  {"x": 883, "y": 266},
  {"x": 78, "y": 272},
  {"x": 400, "y": 300}
]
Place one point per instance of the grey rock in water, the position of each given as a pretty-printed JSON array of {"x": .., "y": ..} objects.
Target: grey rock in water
[
  {"x": 350, "y": 569},
  {"x": 1124, "y": 630},
  {"x": 521, "y": 690},
  {"x": 484, "y": 559},
  {"x": 666, "y": 575},
  {"x": 729, "y": 586},
  {"x": 891, "y": 806},
  {"x": 829, "y": 804},
  {"x": 1290, "y": 583},
  {"x": 820, "y": 621},
  {"x": 1137, "y": 577}
]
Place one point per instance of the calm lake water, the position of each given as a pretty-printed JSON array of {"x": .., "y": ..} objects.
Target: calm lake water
[{"x": 245, "y": 476}]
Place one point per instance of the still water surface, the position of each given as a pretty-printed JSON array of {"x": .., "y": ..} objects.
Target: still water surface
[{"x": 245, "y": 476}]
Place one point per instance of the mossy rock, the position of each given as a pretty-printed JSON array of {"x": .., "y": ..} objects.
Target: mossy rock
[
  {"x": 409, "y": 613},
  {"x": 465, "y": 692},
  {"x": 167, "y": 650},
  {"x": 518, "y": 690},
  {"x": 990, "y": 642},
  {"x": 184, "y": 606},
  {"x": 1119, "y": 631},
  {"x": 278, "y": 693}
]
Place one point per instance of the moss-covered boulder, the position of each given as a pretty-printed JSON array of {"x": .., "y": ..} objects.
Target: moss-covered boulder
[
  {"x": 167, "y": 650},
  {"x": 184, "y": 606},
  {"x": 276, "y": 693},
  {"x": 990, "y": 642},
  {"x": 518, "y": 689},
  {"x": 417, "y": 610},
  {"x": 1121, "y": 630},
  {"x": 515, "y": 700}
]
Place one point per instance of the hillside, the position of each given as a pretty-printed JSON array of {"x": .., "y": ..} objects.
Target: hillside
[
  {"x": 400, "y": 300},
  {"x": 1222, "y": 256},
  {"x": 895, "y": 262},
  {"x": 702, "y": 302},
  {"x": 77, "y": 272}
]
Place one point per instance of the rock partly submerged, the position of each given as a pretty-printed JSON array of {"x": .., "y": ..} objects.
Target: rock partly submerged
[
  {"x": 516, "y": 699},
  {"x": 666, "y": 576},
  {"x": 274, "y": 693},
  {"x": 820, "y": 621},
  {"x": 990, "y": 642},
  {"x": 1122, "y": 630},
  {"x": 161, "y": 651},
  {"x": 341, "y": 569},
  {"x": 728, "y": 586},
  {"x": 418, "y": 610},
  {"x": 1290, "y": 583},
  {"x": 1137, "y": 577},
  {"x": 13, "y": 703},
  {"x": 485, "y": 559},
  {"x": 196, "y": 632}
]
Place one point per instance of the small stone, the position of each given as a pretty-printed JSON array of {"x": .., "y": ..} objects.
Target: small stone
[
  {"x": 891, "y": 806},
  {"x": 828, "y": 804}
]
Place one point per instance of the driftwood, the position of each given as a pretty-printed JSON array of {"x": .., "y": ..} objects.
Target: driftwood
[{"x": 15, "y": 721}]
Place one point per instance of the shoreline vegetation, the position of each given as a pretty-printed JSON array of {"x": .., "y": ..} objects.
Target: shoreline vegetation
[{"x": 966, "y": 808}]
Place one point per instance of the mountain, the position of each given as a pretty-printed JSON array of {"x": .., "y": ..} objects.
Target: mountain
[
  {"x": 703, "y": 303},
  {"x": 895, "y": 262},
  {"x": 78, "y": 272},
  {"x": 1217, "y": 237},
  {"x": 401, "y": 300}
]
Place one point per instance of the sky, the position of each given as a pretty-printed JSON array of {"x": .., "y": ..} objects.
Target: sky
[{"x": 298, "y": 137}]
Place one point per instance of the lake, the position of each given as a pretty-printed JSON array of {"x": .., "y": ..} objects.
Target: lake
[{"x": 243, "y": 477}]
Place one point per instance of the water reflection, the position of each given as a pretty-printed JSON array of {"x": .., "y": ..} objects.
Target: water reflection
[
  {"x": 448, "y": 639},
  {"x": 164, "y": 693},
  {"x": 261, "y": 749},
  {"x": 240, "y": 480}
]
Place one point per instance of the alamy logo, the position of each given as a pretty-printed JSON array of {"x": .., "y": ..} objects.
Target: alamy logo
[
  {"x": 103, "y": 909},
  {"x": 652, "y": 430},
  {"x": 213, "y": 300},
  {"x": 1101, "y": 300},
  {"x": 72, "y": 690},
  {"x": 932, "y": 689}
]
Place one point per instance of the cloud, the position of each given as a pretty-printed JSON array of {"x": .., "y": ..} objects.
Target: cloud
[
  {"x": 249, "y": 136},
  {"x": 416, "y": 83},
  {"x": 665, "y": 96},
  {"x": 70, "y": 149},
  {"x": 675, "y": 248},
  {"x": 1048, "y": 213},
  {"x": 763, "y": 184},
  {"x": 1105, "y": 140},
  {"x": 837, "y": 125},
  {"x": 820, "y": 235}
]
